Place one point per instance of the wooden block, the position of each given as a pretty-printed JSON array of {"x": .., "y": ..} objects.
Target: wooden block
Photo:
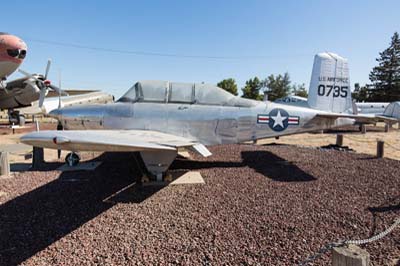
[
  {"x": 4, "y": 164},
  {"x": 38, "y": 158},
  {"x": 351, "y": 255}
]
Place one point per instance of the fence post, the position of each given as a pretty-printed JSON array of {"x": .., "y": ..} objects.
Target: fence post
[
  {"x": 351, "y": 255},
  {"x": 4, "y": 163},
  {"x": 363, "y": 129},
  {"x": 339, "y": 140},
  {"x": 380, "y": 148},
  {"x": 387, "y": 127}
]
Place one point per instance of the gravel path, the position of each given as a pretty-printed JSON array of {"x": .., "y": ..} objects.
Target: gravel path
[{"x": 261, "y": 205}]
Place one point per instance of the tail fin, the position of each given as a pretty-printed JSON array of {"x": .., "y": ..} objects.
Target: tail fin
[{"x": 330, "y": 84}]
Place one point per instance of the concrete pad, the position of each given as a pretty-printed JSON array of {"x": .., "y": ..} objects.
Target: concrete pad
[
  {"x": 15, "y": 148},
  {"x": 188, "y": 178},
  {"x": 184, "y": 154},
  {"x": 85, "y": 166},
  {"x": 179, "y": 178}
]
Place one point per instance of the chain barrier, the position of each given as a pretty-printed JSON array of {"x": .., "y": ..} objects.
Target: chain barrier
[
  {"x": 332, "y": 245},
  {"x": 359, "y": 140},
  {"x": 392, "y": 146}
]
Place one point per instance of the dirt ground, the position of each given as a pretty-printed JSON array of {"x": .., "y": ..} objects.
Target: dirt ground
[{"x": 360, "y": 143}]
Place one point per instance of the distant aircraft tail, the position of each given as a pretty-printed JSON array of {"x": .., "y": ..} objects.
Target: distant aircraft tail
[{"x": 330, "y": 84}]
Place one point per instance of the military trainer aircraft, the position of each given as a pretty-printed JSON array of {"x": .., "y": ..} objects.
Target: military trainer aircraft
[{"x": 156, "y": 118}]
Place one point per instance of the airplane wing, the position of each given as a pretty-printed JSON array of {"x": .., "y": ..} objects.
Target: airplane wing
[{"x": 111, "y": 141}]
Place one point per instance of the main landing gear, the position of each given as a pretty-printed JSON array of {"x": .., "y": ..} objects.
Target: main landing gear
[{"x": 14, "y": 117}]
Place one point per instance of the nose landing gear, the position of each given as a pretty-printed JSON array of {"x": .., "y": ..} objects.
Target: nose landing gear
[{"x": 72, "y": 159}]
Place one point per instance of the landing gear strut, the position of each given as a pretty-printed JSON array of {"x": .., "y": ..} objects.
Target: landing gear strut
[
  {"x": 14, "y": 117},
  {"x": 72, "y": 159}
]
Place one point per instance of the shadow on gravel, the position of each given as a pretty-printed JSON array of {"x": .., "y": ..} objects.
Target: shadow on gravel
[
  {"x": 22, "y": 167},
  {"x": 33, "y": 221},
  {"x": 185, "y": 164},
  {"x": 275, "y": 167}
]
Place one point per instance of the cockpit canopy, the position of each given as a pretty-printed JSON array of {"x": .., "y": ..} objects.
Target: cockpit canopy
[{"x": 177, "y": 92}]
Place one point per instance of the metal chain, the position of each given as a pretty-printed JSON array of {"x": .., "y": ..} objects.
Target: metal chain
[
  {"x": 392, "y": 146},
  {"x": 375, "y": 237},
  {"x": 330, "y": 246},
  {"x": 321, "y": 252}
]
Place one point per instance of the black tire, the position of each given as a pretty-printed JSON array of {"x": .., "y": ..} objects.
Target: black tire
[{"x": 72, "y": 159}]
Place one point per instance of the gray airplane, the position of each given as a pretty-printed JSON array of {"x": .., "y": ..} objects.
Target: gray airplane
[
  {"x": 156, "y": 118},
  {"x": 22, "y": 92}
]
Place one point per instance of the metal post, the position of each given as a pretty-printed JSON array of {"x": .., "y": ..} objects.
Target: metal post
[
  {"x": 4, "y": 163},
  {"x": 380, "y": 148},
  {"x": 350, "y": 255},
  {"x": 339, "y": 140}
]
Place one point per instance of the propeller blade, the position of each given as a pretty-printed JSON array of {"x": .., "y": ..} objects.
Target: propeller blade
[
  {"x": 42, "y": 95},
  {"x": 47, "y": 69},
  {"x": 59, "y": 85},
  {"x": 29, "y": 75},
  {"x": 55, "y": 88}
]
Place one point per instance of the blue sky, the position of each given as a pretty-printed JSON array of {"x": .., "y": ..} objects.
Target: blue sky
[{"x": 282, "y": 35}]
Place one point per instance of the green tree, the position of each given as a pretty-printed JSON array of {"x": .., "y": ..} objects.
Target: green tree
[
  {"x": 277, "y": 87},
  {"x": 229, "y": 85},
  {"x": 300, "y": 90},
  {"x": 385, "y": 77},
  {"x": 252, "y": 89},
  {"x": 360, "y": 94}
]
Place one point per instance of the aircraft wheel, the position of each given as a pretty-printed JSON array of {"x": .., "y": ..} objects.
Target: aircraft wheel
[{"x": 72, "y": 159}]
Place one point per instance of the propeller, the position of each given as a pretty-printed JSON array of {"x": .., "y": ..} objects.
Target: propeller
[
  {"x": 59, "y": 125},
  {"x": 42, "y": 83}
]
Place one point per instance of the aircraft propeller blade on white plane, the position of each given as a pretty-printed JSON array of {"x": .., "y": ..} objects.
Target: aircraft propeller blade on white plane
[{"x": 47, "y": 69}]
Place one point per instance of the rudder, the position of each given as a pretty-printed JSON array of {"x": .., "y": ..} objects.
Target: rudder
[{"x": 330, "y": 84}]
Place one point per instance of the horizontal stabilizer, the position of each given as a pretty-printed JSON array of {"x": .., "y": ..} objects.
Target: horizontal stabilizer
[{"x": 358, "y": 118}]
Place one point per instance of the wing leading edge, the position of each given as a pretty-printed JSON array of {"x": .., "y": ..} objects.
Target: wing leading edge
[{"x": 111, "y": 141}]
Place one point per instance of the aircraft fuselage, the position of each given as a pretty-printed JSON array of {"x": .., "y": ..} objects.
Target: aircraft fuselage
[{"x": 209, "y": 124}]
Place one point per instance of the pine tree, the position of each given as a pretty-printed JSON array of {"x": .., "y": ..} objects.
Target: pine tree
[
  {"x": 300, "y": 90},
  {"x": 252, "y": 89},
  {"x": 277, "y": 87},
  {"x": 386, "y": 76},
  {"x": 229, "y": 85}
]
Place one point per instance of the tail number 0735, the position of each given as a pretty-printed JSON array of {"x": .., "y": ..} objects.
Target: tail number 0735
[{"x": 336, "y": 91}]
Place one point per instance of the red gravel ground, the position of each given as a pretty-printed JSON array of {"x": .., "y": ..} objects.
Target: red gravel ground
[{"x": 271, "y": 205}]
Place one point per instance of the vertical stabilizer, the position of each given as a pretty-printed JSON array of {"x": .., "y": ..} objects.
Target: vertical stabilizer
[{"x": 330, "y": 84}]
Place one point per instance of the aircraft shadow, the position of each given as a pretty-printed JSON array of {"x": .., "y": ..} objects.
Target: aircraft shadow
[
  {"x": 31, "y": 222},
  {"x": 264, "y": 162},
  {"x": 275, "y": 167}
]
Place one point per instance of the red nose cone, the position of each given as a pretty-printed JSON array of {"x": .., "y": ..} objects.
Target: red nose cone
[{"x": 47, "y": 82}]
